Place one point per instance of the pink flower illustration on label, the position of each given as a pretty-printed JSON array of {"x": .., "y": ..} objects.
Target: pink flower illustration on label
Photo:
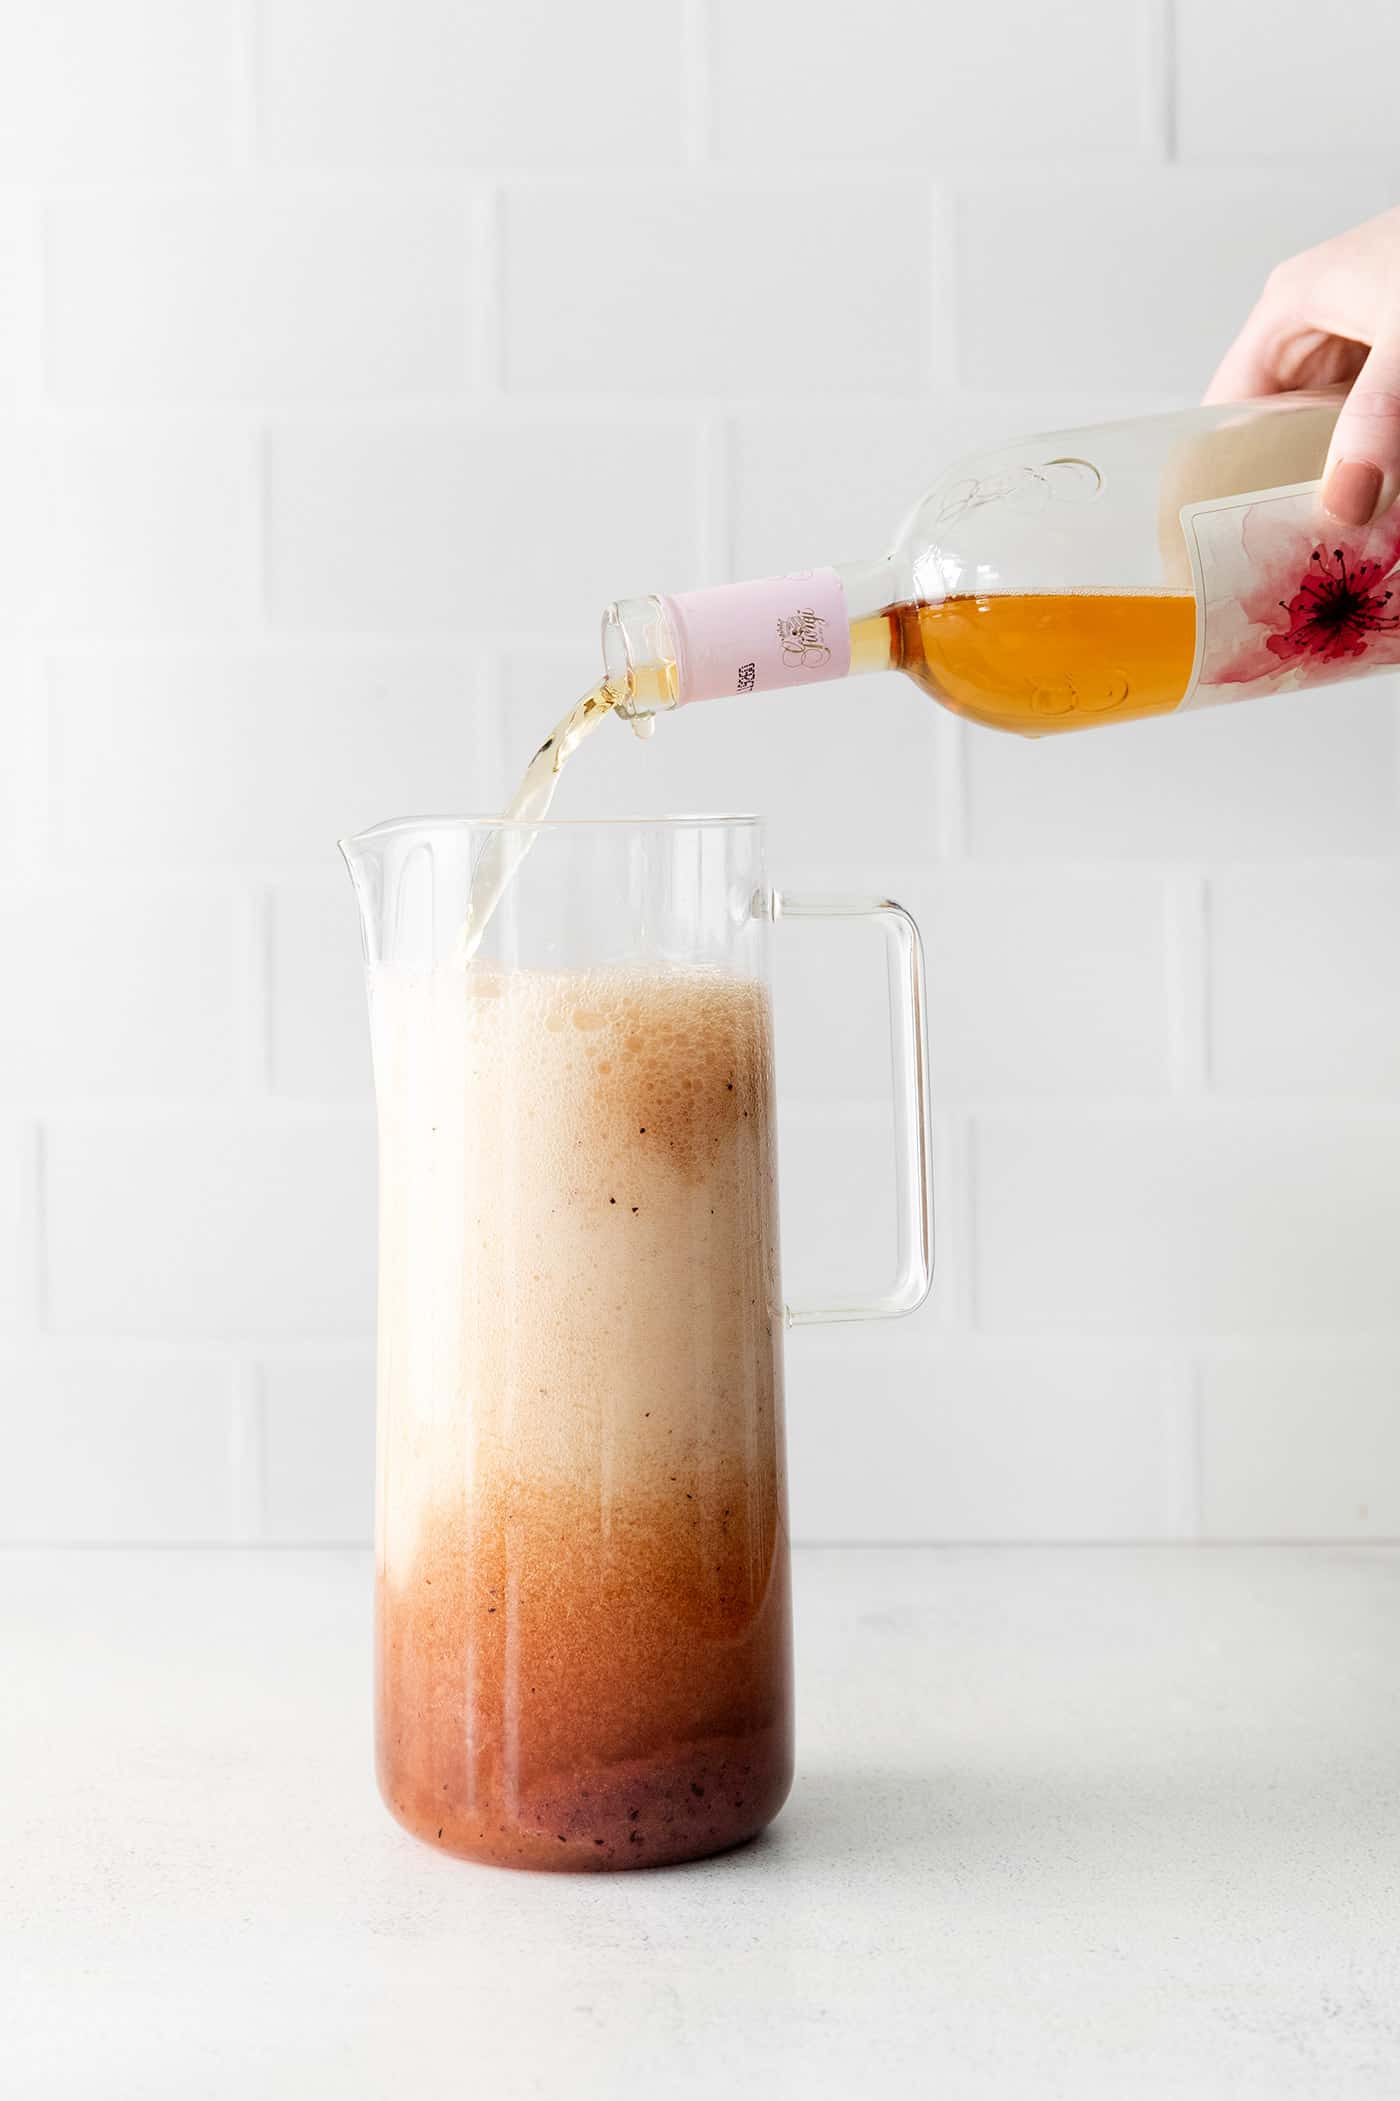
[
  {"x": 1287, "y": 598},
  {"x": 1336, "y": 610}
]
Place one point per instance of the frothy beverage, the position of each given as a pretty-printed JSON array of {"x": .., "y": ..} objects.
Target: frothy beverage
[{"x": 583, "y": 1614}]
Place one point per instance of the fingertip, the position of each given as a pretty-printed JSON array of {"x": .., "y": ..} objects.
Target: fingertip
[{"x": 1352, "y": 492}]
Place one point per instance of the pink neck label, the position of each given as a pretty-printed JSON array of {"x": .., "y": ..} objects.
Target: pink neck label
[{"x": 757, "y": 637}]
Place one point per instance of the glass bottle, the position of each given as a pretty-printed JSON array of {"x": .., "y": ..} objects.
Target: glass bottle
[{"x": 1086, "y": 577}]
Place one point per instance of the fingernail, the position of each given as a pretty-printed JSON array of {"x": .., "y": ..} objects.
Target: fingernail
[{"x": 1352, "y": 490}]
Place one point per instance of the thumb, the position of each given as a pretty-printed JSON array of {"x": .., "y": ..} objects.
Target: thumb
[{"x": 1363, "y": 461}]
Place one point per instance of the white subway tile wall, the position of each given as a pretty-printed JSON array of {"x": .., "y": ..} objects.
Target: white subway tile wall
[
  {"x": 218, "y": 1228},
  {"x": 704, "y": 285},
  {"x": 934, "y": 1440},
  {"x": 95, "y": 93},
  {"x": 429, "y": 527},
  {"x": 1301, "y": 1447},
  {"x": 1216, "y": 1224},
  {"x": 927, "y": 91},
  {"x": 435, "y": 85},
  {"x": 97, "y": 1451},
  {"x": 1120, "y": 283},
  {"x": 251, "y": 759},
  {"x": 318, "y": 1451},
  {"x": 317, "y": 1042},
  {"x": 350, "y": 358},
  {"x": 17, "y": 1227},
  {"x": 127, "y": 526},
  {"x": 311, "y": 297},
  {"x": 18, "y": 252},
  {"x": 131, "y": 990},
  {"x": 1245, "y": 89},
  {"x": 1304, "y": 987}
]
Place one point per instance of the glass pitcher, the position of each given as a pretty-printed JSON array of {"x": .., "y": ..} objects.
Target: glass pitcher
[{"x": 582, "y": 1621}]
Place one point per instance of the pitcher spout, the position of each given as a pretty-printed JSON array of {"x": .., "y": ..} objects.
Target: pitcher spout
[
  {"x": 412, "y": 879},
  {"x": 363, "y": 855}
]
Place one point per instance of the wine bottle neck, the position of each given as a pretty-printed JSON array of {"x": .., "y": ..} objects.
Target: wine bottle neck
[
  {"x": 777, "y": 631},
  {"x": 872, "y": 588},
  {"x": 639, "y": 657}
]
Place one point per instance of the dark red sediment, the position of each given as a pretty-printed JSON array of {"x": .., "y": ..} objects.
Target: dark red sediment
[
  {"x": 646, "y": 1812},
  {"x": 559, "y": 1693}
]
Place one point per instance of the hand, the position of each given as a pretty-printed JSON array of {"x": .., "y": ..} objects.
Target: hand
[{"x": 1333, "y": 313}]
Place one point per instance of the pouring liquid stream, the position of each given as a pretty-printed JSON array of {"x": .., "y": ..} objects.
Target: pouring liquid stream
[{"x": 507, "y": 848}]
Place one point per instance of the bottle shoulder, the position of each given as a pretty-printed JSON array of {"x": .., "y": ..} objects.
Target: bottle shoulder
[{"x": 1100, "y": 505}]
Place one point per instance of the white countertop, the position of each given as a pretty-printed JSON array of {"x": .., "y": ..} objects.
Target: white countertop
[{"x": 1078, "y": 1822}]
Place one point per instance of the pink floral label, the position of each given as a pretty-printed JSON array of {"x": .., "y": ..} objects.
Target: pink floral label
[
  {"x": 755, "y": 637},
  {"x": 1286, "y": 597}
]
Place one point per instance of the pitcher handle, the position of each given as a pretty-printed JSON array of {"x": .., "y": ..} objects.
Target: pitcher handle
[{"x": 909, "y": 1054}]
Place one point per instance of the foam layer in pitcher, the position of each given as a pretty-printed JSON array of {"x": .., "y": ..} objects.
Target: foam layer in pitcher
[
  {"x": 581, "y": 1509},
  {"x": 577, "y": 1241}
]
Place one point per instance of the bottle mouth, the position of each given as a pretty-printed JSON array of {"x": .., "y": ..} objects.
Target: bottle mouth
[{"x": 639, "y": 658}]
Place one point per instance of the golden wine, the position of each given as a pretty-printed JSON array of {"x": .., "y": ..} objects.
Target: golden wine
[
  {"x": 1061, "y": 583},
  {"x": 1035, "y": 664},
  {"x": 1045, "y": 661},
  {"x": 1064, "y": 582}
]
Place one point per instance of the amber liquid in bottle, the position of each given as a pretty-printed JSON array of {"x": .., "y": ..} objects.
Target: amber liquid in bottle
[
  {"x": 1032, "y": 662},
  {"x": 1039, "y": 661}
]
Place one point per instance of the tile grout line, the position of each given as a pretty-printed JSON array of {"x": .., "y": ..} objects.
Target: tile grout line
[
  {"x": 252, "y": 965},
  {"x": 1158, "y": 78},
  {"x": 1256, "y": 1546},
  {"x": 547, "y": 409},
  {"x": 103, "y": 1346},
  {"x": 32, "y": 759},
  {"x": 944, "y": 362},
  {"x": 247, "y": 1454},
  {"x": 1377, "y": 1349},
  {"x": 1186, "y": 944},
  {"x": 1180, "y": 1389},
  {"x": 712, "y": 173},
  {"x": 949, "y": 786},
  {"x": 955, "y": 1210},
  {"x": 32, "y": 1280},
  {"x": 490, "y": 689},
  {"x": 715, "y": 498},
  {"x": 485, "y": 265},
  {"x": 263, "y": 625},
  {"x": 266, "y": 1109},
  {"x": 695, "y": 40},
  {"x": 243, "y": 34},
  {"x": 32, "y": 392}
]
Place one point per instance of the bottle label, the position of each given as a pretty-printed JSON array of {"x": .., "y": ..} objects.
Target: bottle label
[
  {"x": 755, "y": 637},
  {"x": 1286, "y": 597}
]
